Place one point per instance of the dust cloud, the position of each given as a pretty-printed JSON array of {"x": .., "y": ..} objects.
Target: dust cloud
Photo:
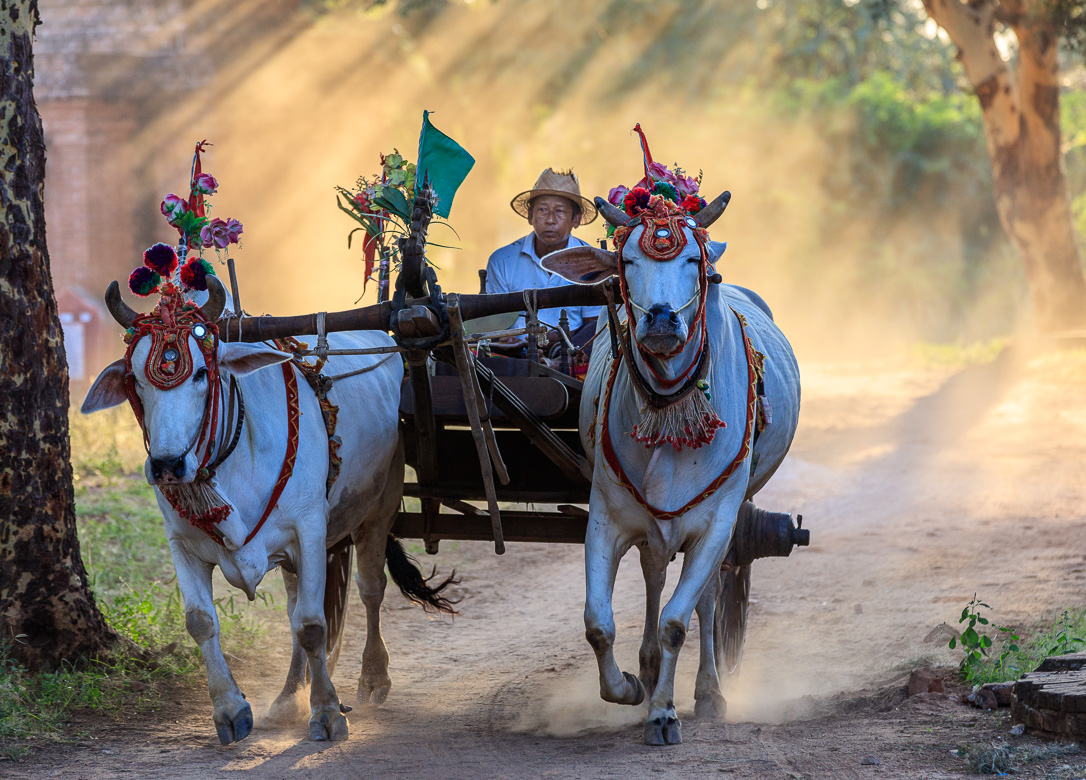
[{"x": 313, "y": 99}]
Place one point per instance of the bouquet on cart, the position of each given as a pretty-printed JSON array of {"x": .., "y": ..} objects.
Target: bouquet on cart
[{"x": 381, "y": 204}]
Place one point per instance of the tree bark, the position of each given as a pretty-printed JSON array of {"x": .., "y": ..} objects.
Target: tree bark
[
  {"x": 1021, "y": 113},
  {"x": 47, "y": 610}
]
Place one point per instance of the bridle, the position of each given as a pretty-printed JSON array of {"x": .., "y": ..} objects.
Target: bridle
[
  {"x": 663, "y": 239},
  {"x": 169, "y": 364}
]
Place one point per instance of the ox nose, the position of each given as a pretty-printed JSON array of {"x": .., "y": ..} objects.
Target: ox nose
[
  {"x": 662, "y": 316},
  {"x": 167, "y": 467}
]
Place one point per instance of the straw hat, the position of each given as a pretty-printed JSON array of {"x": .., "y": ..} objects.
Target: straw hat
[{"x": 564, "y": 185}]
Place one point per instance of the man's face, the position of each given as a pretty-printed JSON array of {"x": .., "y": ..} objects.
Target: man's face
[{"x": 553, "y": 219}]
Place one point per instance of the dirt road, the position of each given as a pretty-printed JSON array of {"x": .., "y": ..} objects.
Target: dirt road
[{"x": 920, "y": 487}]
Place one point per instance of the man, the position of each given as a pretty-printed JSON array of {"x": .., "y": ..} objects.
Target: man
[{"x": 553, "y": 207}]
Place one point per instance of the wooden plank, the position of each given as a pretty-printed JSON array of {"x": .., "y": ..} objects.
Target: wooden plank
[
  {"x": 472, "y": 404},
  {"x": 548, "y": 399},
  {"x": 517, "y": 527},
  {"x": 473, "y": 492},
  {"x": 426, "y": 441}
]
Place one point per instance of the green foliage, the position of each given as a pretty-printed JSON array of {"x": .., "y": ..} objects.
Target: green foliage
[{"x": 979, "y": 664}]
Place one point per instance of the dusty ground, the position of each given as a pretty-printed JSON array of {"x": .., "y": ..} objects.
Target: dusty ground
[{"x": 920, "y": 487}]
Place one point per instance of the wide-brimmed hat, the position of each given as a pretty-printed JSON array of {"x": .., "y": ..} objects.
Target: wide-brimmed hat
[{"x": 564, "y": 185}]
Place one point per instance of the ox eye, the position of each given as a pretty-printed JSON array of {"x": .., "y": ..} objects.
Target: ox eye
[{"x": 200, "y": 375}]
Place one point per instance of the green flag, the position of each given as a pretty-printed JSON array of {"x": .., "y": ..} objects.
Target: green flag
[{"x": 444, "y": 161}]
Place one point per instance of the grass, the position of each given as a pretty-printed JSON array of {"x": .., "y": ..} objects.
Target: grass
[
  {"x": 124, "y": 548},
  {"x": 1007, "y": 656}
]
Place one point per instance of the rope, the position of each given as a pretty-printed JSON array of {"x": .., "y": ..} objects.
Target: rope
[{"x": 365, "y": 370}]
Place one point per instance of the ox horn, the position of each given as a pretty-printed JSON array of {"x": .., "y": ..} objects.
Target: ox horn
[
  {"x": 121, "y": 311},
  {"x": 613, "y": 214},
  {"x": 712, "y": 212},
  {"x": 216, "y": 299}
]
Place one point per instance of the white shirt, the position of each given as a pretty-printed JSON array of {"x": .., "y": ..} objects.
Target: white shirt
[{"x": 517, "y": 267}]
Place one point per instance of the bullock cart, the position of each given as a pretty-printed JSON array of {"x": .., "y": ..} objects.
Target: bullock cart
[{"x": 518, "y": 416}]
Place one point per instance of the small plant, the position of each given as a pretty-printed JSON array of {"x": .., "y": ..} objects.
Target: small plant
[
  {"x": 979, "y": 665},
  {"x": 973, "y": 642}
]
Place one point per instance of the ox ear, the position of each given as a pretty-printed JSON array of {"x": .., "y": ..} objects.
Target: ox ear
[
  {"x": 107, "y": 390},
  {"x": 240, "y": 358},
  {"x": 582, "y": 264}
]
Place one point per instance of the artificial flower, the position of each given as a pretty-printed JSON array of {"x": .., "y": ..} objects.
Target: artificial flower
[
  {"x": 160, "y": 258},
  {"x": 143, "y": 281},
  {"x": 173, "y": 207},
  {"x": 233, "y": 231},
  {"x": 666, "y": 190},
  {"x": 205, "y": 184},
  {"x": 617, "y": 194},
  {"x": 194, "y": 273},
  {"x": 216, "y": 233}
]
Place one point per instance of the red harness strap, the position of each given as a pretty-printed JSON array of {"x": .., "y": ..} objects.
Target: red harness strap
[
  {"x": 612, "y": 457},
  {"x": 293, "y": 434}
]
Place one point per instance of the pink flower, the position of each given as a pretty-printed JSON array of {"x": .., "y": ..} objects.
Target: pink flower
[
  {"x": 361, "y": 201},
  {"x": 173, "y": 208},
  {"x": 205, "y": 184},
  {"x": 684, "y": 185},
  {"x": 215, "y": 233},
  {"x": 617, "y": 194},
  {"x": 233, "y": 230}
]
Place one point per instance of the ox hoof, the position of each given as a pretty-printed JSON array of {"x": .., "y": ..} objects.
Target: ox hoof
[
  {"x": 711, "y": 707},
  {"x": 287, "y": 709},
  {"x": 663, "y": 731},
  {"x": 633, "y": 692},
  {"x": 328, "y": 723},
  {"x": 374, "y": 691},
  {"x": 236, "y": 727}
]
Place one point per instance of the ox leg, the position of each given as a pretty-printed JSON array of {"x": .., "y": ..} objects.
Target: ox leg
[
  {"x": 326, "y": 721},
  {"x": 649, "y": 655},
  {"x": 709, "y": 702},
  {"x": 374, "y": 682},
  {"x": 370, "y": 543},
  {"x": 700, "y": 562},
  {"x": 232, "y": 714},
  {"x": 602, "y": 554},
  {"x": 289, "y": 706}
]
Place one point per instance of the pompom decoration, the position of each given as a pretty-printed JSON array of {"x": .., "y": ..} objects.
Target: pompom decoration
[
  {"x": 161, "y": 258},
  {"x": 692, "y": 204},
  {"x": 143, "y": 281},
  {"x": 666, "y": 190},
  {"x": 194, "y": 274},
  {"x": 635, "y": 200}
]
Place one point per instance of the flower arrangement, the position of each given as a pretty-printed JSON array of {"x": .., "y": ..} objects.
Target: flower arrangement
[
  {"x": 381, "y": 204},
  {"x": 668, "y": 183},
  {"x": 197, "y": 231}
]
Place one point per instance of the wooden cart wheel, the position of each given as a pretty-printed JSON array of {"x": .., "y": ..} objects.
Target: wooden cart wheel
[{"x": 730, "y": 628}]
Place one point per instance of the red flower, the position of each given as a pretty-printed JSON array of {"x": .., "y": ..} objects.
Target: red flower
[{"x": 194, "y": 273}]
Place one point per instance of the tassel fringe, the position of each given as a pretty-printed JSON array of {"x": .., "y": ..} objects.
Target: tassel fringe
[
  {"x": 198, "y": 502},
  {"x": 691, "y": 422}
]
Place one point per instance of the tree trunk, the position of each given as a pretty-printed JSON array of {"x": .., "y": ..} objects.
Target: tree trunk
[
  {"x": 1021, "y": 114},
  {"x": 47, "y": 610}
]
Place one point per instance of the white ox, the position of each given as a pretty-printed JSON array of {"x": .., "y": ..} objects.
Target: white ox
[
  {"x": 668, "y": 480},
  {"x": 305, "y": 522}
]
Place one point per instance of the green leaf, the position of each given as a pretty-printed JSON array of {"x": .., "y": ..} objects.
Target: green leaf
[
  {"x": 965, "y": 615},
  {"x": 982, "y": 621},
  {"x": 985, "y": 641},
  {"x": 953, "y": 642},
  {"x": 398, "y": 203},
  {"x": 970, "y": 637}
]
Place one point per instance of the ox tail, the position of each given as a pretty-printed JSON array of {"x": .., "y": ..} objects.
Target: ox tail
[
  {"x": 416, "y": 588},
  {"x": 336, "y": 588}
]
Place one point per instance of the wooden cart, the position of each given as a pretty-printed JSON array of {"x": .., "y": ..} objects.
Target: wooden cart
[{"x": 518, "y": 416}]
